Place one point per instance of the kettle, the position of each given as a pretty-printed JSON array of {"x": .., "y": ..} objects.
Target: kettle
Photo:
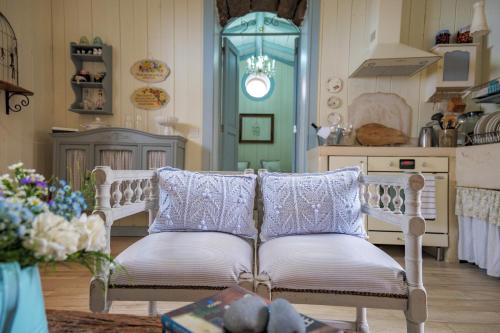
[{"x": 426, "y": 137}]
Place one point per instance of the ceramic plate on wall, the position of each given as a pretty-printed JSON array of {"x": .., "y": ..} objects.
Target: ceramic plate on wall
[
  {"x": 334, "y": 85},
  {"x": 334, "y": 102}
]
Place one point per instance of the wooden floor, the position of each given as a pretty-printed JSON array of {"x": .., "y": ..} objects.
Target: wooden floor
[{"x": 462, "y": 298}]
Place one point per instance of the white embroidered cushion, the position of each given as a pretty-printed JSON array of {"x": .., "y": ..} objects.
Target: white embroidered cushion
[
  {"x": 296, "y": 204},
  {"x": 192, "y": 201}
]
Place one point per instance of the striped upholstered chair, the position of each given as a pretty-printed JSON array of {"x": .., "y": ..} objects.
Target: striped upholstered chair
[
  {"x": 164, "y": 266},
  {"x": 346, "y": 270}
]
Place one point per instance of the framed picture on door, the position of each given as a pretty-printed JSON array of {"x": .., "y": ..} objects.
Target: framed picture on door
[{"x": 256, "y": 128}]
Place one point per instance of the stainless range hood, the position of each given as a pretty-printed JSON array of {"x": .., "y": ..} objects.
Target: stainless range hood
[{"x": 386, "y": 55}]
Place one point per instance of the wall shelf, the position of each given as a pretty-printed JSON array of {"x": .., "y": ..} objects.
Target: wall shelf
[
  {"x": 12, "y": 90},
  {"x": 87, "y": 84},
  {"x": 83, "y": 111},
  {"x": 488, "y": 92},
  {"x": 78, "y": 59}
]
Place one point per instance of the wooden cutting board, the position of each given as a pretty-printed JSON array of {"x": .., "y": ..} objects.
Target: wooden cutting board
[
  {"x": 379, "y": 135},
  {"x": 387, "y": 109}
]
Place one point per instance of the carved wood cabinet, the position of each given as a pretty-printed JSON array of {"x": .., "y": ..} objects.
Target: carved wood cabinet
[{"x": 120, "y": 148}]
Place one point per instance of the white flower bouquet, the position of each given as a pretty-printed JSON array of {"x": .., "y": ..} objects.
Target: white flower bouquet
[{"x": 42, "y": 222}]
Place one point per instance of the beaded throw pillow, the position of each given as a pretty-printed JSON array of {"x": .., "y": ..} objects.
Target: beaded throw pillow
[
  {"x": 192, "y": 201},
  {"x": 297, "y": 204}
]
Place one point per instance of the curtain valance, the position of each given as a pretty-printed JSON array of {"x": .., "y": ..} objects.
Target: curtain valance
[{"x": 478, "y": 203}]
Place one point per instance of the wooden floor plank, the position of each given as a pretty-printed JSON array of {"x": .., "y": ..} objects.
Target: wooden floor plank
[{"x": 461, "y": 297}]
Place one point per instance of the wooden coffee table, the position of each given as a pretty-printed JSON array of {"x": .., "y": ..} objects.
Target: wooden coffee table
[{"x": 61, "y": 321}]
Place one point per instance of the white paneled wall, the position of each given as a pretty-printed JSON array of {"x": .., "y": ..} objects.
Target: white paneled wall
[
  {"x": 24, "y": 135},
  {"x": 343, "y": 39},
  {"x": 168, "y": 30},
  {"x": 172, "y": 31}
]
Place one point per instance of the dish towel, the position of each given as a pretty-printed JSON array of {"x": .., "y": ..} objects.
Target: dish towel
[{"x": 428, "y": 198}]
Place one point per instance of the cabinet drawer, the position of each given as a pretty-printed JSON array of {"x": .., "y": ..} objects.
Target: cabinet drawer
[
  {"x": 397, "y": 238},
  {"x": 422, "y": 164},
  {"x": 337, "y": 162}
]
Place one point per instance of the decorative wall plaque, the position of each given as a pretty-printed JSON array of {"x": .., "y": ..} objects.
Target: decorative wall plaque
[
  {"x": 150, "y": 98},
  {"x": 150, "y": 70}
]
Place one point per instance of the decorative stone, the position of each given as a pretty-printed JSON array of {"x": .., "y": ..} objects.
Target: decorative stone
[
  {"x": 248, "y": 314},
  {"x": 283, "y": 318},
  {"x": 379, "y": 135}
]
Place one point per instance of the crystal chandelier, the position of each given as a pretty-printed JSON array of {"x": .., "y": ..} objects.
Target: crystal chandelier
[{"x": 261, "y": 65}]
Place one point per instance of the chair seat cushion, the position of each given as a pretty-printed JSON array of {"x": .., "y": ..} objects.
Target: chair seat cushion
[
  {"x": 330, "y": 262},
  {"x": 195, "y": 259}
]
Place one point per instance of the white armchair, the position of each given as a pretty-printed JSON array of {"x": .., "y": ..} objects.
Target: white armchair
[
  {"x": 344, "y": 270},
  {"x": 167, "y": 266}
]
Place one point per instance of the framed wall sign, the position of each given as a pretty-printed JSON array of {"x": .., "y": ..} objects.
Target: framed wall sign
[
  {"x": 150, "y": 70},
  {"x": 256, "y": 128},
  {"x": 150, "y": 98}
]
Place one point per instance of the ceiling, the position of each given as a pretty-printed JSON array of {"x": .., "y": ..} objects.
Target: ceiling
[{"x": 258, "y": 31}]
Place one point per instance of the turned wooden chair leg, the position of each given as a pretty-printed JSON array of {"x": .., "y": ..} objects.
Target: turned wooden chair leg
[
  {"x": 361, "y": 321},
  {"x": 412, "y": 327},
  {"x": 153, "y": 308}
]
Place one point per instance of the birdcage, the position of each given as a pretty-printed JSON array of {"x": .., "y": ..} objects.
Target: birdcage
[
  {"x": 16, "y": 97},
  {"x": 9, "y": 71}
]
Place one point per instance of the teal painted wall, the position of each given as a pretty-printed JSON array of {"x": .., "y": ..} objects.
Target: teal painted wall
[{"x": 280, "y": 103}]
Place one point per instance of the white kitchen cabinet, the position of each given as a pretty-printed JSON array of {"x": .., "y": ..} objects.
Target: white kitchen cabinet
[
  {"x": 453, "y": 73},
  {"x": 338, "y": 162}
]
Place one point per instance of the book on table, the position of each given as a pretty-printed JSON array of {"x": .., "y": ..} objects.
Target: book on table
[{"x": 206, "y": 315}]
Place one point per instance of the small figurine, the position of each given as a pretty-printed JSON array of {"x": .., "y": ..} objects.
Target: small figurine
[
  {"x": 78, "y": 52},
  {"x": 97, "y": 41},
  {"x": 84, "y": 40},
  {"x": 85, "y": 74},
  {"x": 79, "y": 78},
  {"x": 99, "y": 76}
]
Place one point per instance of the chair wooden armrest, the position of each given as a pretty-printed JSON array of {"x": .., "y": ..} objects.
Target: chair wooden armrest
[
  {"x": 119, "y": 193},
  {"x": 375, "y": 202}
]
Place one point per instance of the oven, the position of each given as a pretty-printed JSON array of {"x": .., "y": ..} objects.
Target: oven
[
  {"x": 434, "y": 198},
  {"x": 435, "y": 168}
]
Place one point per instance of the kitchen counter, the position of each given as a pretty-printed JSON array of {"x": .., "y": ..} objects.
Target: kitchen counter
[
  {"x": 479, "y": 166},
  {"x": 385, "y": 151},
  {"x": 317, "y": 158}
]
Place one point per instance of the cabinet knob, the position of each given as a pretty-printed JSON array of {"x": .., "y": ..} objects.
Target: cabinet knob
[
  {"x": 424, "y": 164},
  {"x": 392, "y": 164}
]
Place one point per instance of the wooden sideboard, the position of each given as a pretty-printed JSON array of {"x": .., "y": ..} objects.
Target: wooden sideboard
[
  {"x": 76, "y": 153},
  {"x": 443, "y": 231}
]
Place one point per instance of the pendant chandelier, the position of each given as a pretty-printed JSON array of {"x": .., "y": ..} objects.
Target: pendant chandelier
[{"x": 261, "y": 65}]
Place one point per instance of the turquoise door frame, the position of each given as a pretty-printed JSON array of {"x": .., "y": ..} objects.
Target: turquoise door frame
[
  {"x": 307, "y": 86},
  {"x": 229, "y": 119}
]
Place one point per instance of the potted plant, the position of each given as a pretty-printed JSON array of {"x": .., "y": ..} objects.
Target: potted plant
[{"x": 41, "y": 222}]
